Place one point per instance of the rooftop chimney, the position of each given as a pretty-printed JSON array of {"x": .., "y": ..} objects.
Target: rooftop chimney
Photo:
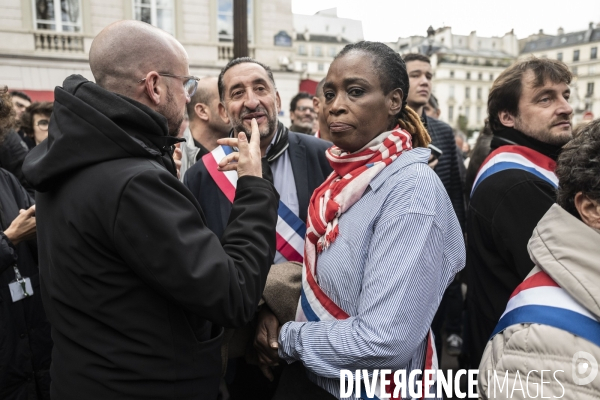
[
  {"x": 541, "y": 32},
  {"x": 560, "y": 31}
]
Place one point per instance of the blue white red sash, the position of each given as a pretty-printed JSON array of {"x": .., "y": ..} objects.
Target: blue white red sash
[
  {"x": 315, "y": 305},
  {"x": 290, "y": 229},
  {"x": 517, "y": 157},
  {"x": 539, "y": 300}
]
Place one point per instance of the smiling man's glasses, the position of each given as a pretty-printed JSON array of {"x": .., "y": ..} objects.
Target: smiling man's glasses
[{"x": 190, "y": 83}]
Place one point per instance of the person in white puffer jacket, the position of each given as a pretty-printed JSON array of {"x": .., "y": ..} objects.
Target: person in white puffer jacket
[{"x": 549, "y": 335}]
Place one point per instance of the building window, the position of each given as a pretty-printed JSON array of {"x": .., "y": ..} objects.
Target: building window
[
  {"x": 478, "y": 93},
  {"x": 480, "y": 76},
  {"x": 320, "y": 67},
  {"x": 468, "y": 75},
  {"x": 317, "y": 51},
  {"x": 302, "y": 50},
  {"x": 594, "y": 53},
  {"x": 451, "y": 91},
  {"x": 225, "y": 20},
  {"x": 451, "y": 113},
  {"x": 332, "y": 52},
  {"x": 155, "y": 12},
  {"x": 574, "y": 70},
  {"x": 575, "y": 55},
  {"x": 451, "y": 74},
  {"x": 559, "y": 56},
  {"x": 467, "y": 112},
  {"x": 304, "y": 66},
  {"x": 491, "y": 77},
  {"x": 478, "y": 115},
  {"x": 58, "y": 15},
  {"x": 590, "y": 88},
  {"x": 467, "y": 93}
]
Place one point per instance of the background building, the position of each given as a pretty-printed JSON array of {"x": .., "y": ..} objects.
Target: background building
[
  {"x": 319, "y": 38},
  {"x": 579, "y": 50},
  {"x": 464, "y": 67}
]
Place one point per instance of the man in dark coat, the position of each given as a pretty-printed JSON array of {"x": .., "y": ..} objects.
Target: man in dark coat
[
  {"x": 25, "y": 343},
  {"x": 295, "y": 162},
  {"x": 136, "y": 287},
  {"x": 529, "y": 114}
]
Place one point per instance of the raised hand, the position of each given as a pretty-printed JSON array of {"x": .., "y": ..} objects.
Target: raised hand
[{"x": 247, "y": 160}]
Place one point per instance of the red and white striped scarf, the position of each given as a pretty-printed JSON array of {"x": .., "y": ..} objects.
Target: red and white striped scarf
[{"x": 352, "y": 173}]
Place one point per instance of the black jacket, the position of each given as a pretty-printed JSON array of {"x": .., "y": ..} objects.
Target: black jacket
[
  {"x": 447, "y": 168},
  {"x": 309, "y": 165},
  {"x": 12, "y": 153},
  {"x": 25, "y": 343},
  {"x": 135, "y": 285},
  {"x": 503, "y": 211}
]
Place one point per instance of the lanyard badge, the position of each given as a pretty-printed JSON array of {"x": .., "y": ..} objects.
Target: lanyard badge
[{"x": 20, "y": 288}]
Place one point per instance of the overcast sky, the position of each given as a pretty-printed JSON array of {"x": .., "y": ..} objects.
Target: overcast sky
[{"x": 386, "y": 20}]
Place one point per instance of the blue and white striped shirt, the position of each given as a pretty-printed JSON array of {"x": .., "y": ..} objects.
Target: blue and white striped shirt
[{"x": 398, "y": 249}]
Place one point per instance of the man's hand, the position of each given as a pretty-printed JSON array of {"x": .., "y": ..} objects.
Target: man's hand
[
  {"x": 247, "y": 160},
  {"x": 177, "y": 155},
  {"x": 266, "y": 341},
  {"x": 23, "y": 227}
]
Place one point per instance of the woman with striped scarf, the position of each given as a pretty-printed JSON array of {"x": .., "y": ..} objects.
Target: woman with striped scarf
[{"x": 382, "y": 241}]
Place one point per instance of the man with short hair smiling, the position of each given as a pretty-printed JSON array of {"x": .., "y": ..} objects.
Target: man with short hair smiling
[
  {"x": 302, "y": 113},
  {"x": 297, "y": 165},
  {"x": 530, "y": 116}
]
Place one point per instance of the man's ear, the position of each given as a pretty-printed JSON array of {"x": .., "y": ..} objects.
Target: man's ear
[
  {"x": 223, "y": 113},
  {"x": 506, "y": 119},
  {"x": 317, "y": 104},
  {"x": 588, "y": 209},
  {"x": 201, "y": 111},
  {"x": 152, "y": 89},
  {"x": 278, "y": 102},
  {"x": 395, "y": 98}
]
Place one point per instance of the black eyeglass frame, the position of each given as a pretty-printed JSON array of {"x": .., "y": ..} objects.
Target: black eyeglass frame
[{"x": 186, "y": 78}]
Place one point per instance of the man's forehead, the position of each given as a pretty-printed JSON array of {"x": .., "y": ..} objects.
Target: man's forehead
[
  {"x": 532, "y": 82},
  {"x": 417, "y": 65},
  {"x": 245, "y": 73}
]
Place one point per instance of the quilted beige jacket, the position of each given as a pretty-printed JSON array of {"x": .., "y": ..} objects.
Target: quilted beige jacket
[{"x": 569, "y": 251}]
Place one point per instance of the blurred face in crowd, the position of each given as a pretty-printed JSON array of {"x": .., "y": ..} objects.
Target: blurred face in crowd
[
  {"x": 249, "y": 93},
  {"x": 20, "y": 105},
  {"x": 419, "y": 75},
  {"x": 430, "y": 111},
  {"x": 40, "y": 127},
  {"x": 544, "y": 112},
  {"x": 304, "y": 115},
  {"x": 355, "y": 106}
]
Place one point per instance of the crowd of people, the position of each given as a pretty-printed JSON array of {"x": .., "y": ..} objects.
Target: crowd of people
[{"x": 134, "y": 267}]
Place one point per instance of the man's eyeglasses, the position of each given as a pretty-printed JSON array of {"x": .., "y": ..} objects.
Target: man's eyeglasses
[
  {"x": 190, "y": 83},
  {"x": 304, "y": 108},
  {"x": 43, "y": 124}
]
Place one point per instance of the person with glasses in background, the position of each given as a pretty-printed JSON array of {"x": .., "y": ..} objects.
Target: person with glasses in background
[
  {"x": 136, "y": 287},
  {"x": 35, "y": 121},
  {"x": 302, "y": 114}
]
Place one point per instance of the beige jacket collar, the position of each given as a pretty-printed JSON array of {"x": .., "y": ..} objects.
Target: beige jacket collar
[{"x": 569, "y": 251}]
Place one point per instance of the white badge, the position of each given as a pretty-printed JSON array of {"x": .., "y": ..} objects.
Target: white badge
[{"x": 20, "y": 287}]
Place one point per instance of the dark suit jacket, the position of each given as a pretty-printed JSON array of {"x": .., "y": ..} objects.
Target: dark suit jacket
[{"x": 309, "y": 164}]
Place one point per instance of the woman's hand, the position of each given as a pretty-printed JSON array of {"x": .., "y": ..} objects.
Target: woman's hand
[{"x": 23, "y": 227}]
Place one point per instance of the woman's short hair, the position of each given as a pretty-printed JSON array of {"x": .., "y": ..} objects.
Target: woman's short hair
[
  {"x": 578, "y": 168},
  {"x": 39, "y": 107},
  {"x": 507, "y": 88}
]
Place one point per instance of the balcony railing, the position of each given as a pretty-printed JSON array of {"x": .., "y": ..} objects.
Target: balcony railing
[
  {"x": 58, "y": 42},
  {"x": 226, "y": 52}
]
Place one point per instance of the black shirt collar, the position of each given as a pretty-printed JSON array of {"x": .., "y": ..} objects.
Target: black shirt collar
[{"x": 511, "y": 136}]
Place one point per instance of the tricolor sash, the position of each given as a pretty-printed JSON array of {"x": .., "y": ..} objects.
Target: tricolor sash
[
  {"x": 290, "y": 230},
  {"x": 539, "y": 300},
  {"x": 517, "y": 157},
  {"x": 315, "y": 305}
]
